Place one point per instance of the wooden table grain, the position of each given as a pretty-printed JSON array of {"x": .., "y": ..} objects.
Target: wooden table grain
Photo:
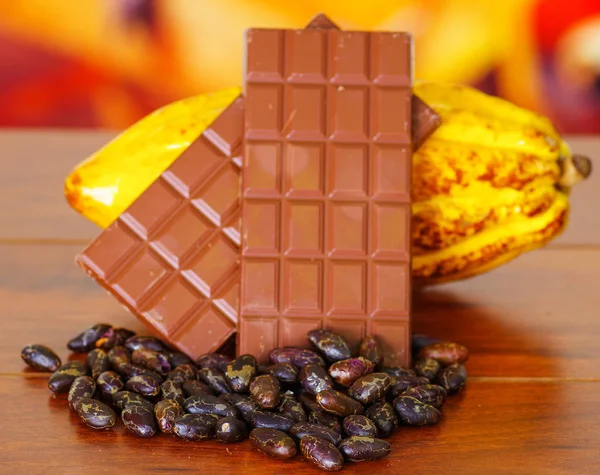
[{"x": 533, "y": 328}]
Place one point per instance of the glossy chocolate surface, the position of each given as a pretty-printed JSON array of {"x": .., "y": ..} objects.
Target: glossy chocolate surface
[
  {"x": 173, "y": 257},
  {"x": 326, "y": 188}
]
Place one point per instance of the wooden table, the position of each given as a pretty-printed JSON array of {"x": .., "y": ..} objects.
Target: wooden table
[{"x": 532, "y": 404}]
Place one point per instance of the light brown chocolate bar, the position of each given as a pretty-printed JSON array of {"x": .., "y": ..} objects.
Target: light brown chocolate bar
[
  {"x": 172, "y": 258},
  {"x": 326, "y": 189}
]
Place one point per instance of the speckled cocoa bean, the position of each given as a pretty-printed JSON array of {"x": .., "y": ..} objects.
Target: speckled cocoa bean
[
  {"x": 177, "y": 359},
  {"x": 86, "y": 340},
  {"x": 209, "y": 404},
  {"x": 429, "y": 394},
  {"x": 266, "y": 391},
  {"x": 152, "y": 360},
  {"x": 299, "y": 357},
  {"x": 271, "y": 420},
  {"x": 452, "y": 378},
  {"x": 345, "y": 372},
  {"x": 326, "y": 419},
  {"x": 95, "y": 414},
  {"x": 359, "y": 425},
  {"x": 123, "y": 399},
  {"x": 339, "y": 403},
  {"x": 362, "y": 449},
  {"x": 286, "y": 373},
  {"x": 213, "y": 361},
  {"x": 40, "y": 357},
  {"x": 117, "y": 356},
  {"x": 445, "y": 352},
  {"x": 400, "y": 385},
  {"x": 314, "y": 379},
  {"x": 60, "y": 381},
  {"x": 172, "y": 390},
  {"x": 413, "y": 412},
  {"x": 97, "y": 361},
  {"x": 384, "y": 416},
  {"x": 370, "y": 388},
  {"x": 214, "y": 378},
  {"x": 183, "y": 373},
  {"x": 139, "y": 420},
  {"x": 273, "y": 442},
  {"x": 240, "y": 372},
  {"x": 148, "y": 342},
  {"x": 245, "y": 405},
  {"x": 230, "y": 430},
  {"x": 303, "y": 429},
  {"x": 114, "y": 337},
  {"x": 331, "y": 345},
  {"x": 397, "y": 372},
  {"x": 427, "y": 367},
  {"x": 371, "y": 349},
  {"x": 195, "y": 427},
  {"x": 82, "y": 387},
  {"x": 167, "y": 412},
  {"x": 109, "y": 383},
  {"x": 193, "y": 388},
  {"x": 321, "y": 453},
  {"x": 308, "y": 401},
  {"x": 144, "y": 385},
  {"x": 292, "y": 408},
  {"x": 128, "y": 370}
]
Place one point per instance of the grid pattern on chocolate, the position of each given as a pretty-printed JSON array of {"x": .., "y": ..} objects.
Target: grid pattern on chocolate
[
  {"x": 326, "y": 188},
  {"x": 172, "y": 258}
]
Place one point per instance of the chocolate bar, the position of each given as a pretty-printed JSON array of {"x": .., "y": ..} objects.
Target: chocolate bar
[
  {"x": 326, "y": 205},
  {"x": 172, "y": 258}
]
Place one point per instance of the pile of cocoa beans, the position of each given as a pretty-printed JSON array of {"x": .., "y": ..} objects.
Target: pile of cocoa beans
[{"x": 331, "y": 403}]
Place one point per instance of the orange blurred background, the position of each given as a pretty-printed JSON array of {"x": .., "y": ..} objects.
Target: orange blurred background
[{"x": 107, "y": 63}]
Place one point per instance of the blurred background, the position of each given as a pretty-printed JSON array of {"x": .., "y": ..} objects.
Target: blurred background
[{"x": 107, "y": 63}]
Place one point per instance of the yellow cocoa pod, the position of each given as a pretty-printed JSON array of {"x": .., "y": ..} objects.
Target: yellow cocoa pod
[
  {"x": 107, "y": 182},
  {"x": 490, "y": 183}
]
